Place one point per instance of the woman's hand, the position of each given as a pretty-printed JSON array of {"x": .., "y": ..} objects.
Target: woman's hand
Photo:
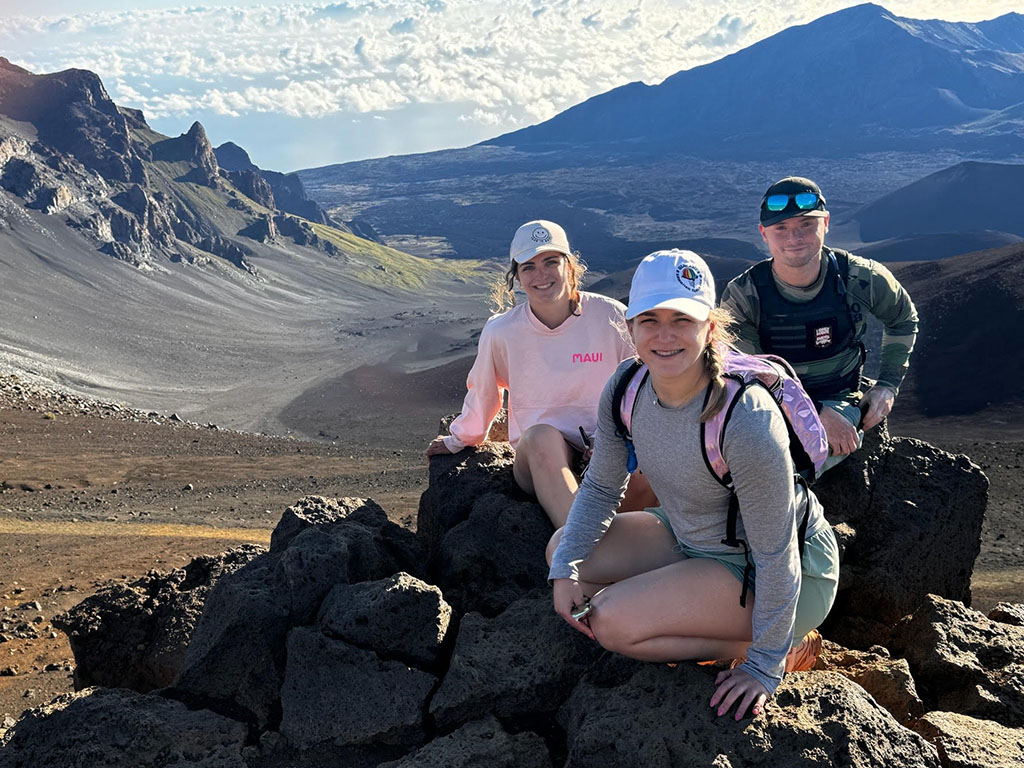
[
  {"x": 437, "y": 447},
  {"x": 568, "y": 594},
  {"x": 737, "y": 687}
]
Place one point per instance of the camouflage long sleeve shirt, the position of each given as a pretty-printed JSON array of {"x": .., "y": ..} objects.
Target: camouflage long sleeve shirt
[{"x": 870, "y": 289}]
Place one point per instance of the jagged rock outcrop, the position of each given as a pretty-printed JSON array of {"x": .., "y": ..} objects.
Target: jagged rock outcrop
[
  {"x": 194, "y": 148},
  {"x": 964, "y": 662},
  {"x": 338, "y": 647},
  {"x": 900, "y": 501},
  {"x": 252, "y": 185},
  {"x": 73, "y": 113},
  {"x": 236, "y": 659},
  {"x": 135, "y": 635},
  {"x": 287, "y": 192},
  {"x": 302, "y": 233}
]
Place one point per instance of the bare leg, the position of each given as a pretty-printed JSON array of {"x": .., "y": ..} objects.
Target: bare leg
[
  {"x": 685, "y": 610},
  {"x": 635, "y": 542},
  {"x": 541, "y": 467}
]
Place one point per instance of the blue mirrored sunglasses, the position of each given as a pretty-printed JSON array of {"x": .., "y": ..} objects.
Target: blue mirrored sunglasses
[{"x": 805, "y": 201}]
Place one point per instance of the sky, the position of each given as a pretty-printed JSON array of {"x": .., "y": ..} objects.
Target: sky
[{"x": 306, "y": 84}]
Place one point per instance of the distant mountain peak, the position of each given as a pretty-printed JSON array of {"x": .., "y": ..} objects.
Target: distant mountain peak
[
  {"x": 194, "y": 148},
  {"x": 6, "y": 65},
  {"x": 232, "y": 157}
]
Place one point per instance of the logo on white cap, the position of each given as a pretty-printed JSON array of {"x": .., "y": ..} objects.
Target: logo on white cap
[
  {"x": 689, "y": 277},
  {"x": 540, "y": 235}
]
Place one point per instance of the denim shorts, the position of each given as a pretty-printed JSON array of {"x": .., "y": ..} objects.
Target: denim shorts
[{"x": 819, "y": 579}]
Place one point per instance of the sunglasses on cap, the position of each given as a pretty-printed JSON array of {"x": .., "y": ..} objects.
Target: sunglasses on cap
[{"x": 804, "y": 201}]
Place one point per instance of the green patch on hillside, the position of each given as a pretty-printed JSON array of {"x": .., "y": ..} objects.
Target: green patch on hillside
[{"x": 402, "y": 270}]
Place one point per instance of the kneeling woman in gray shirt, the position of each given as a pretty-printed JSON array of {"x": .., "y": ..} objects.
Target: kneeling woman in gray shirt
[{"x": 659, "y": 585}]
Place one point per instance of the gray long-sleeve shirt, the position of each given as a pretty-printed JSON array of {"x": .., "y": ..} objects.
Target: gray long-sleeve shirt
[{"x": 668, "y": 448}]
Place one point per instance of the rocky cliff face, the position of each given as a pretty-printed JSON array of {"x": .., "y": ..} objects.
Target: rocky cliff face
[
  {"x": 67, "y": 150},
  {"x": 355, "y": 642}
]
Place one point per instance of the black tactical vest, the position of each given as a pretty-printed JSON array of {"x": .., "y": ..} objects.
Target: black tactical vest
[{"x": 817, "y": 330}]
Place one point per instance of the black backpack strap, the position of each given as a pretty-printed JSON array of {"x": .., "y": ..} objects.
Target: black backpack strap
[{"x": 620, "y": 392}]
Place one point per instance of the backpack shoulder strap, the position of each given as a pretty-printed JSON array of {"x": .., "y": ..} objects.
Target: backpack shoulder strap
[{"x": 624, "y": 397}]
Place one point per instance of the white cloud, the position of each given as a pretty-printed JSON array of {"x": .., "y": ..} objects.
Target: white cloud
[{"x": 506, "y": 63}]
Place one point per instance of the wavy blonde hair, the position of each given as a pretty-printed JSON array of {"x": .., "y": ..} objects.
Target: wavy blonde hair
[{"x": 502, "y": 295}]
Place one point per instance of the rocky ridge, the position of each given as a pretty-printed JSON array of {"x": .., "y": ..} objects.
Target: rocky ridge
[
  {"x": 352, "y": 641},
  {"x": 66, "y": 149}
]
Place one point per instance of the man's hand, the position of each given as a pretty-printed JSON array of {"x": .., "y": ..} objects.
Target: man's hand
[
  {"x": 842, "y": 435},
  {"x": 437, "y": 447},
  {"x": 875, "y": 405}
]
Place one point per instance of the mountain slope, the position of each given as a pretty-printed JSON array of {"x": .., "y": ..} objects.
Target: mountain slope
[
  {"x": 967, "y": 357},
  {"x": 134, "y": 267},
  {"x": 976, "y": 196},
  {"x": 860, "y": 77}
]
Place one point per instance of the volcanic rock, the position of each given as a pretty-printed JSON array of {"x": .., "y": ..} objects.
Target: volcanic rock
[
  {"x": 134, "y": 635},
  {"x": 816, "y": 719},
  {"x": 967, "y": 742},
  {"x": 261, "y": 230},
  {"x": 399, "y": 617},
  {"x": 903, "y": 501},
  {"x": 336, "y": 692},
  {"x": 1008, "y": 613},
  {"x": 116, "y": 728},
  {"x": 237, "y": 655},
  {"x": 888, "y": 680},
  {"x": 254, "y": 186},
  {"x": 964, "y": 662},
  {"x": 480, "y": 743},
  {"x": 525, "y": 661}
]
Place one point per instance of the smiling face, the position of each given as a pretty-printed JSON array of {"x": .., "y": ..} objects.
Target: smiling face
[
  {"x": 796, "y": 242},
  {"x": 670, "y": 342},
  {"x": 544, "y": 278}
]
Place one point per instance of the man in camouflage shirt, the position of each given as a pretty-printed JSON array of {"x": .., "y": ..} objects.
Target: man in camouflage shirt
[{"x": 808, "y": 304}]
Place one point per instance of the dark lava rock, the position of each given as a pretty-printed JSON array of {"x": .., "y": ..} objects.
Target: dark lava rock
[
  {"x": 236, "y": 660},
  {"x": 399, "y": 617},
  {"x": 495, "y": 556},
  {"x": 135, "y": 635},
  {"x": 261, "y": 230},
  {"x": 193, "y": 148},
  {"x": 252, "y": 185},
  {"x": 336, "y": 692},
  {"x": 482, "y": 743},
  {"x": 115, "y": 728},
  {"x": 659, "y": 718},
  {"x": 964, "y": 662},
  {"x": 903, "y": 501},
  {"x": 527, "y": 660},
  {"x": 456, "y": 482}
]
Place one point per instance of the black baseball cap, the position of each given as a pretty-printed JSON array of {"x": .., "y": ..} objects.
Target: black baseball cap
[{"x": 789, "y": 197}]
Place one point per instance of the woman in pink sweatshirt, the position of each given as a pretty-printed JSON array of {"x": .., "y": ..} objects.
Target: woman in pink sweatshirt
[{"x": 553, "y": 356}]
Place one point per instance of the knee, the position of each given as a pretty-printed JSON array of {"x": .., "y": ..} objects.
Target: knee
[
  {"x": 541, "y": 440},
  {"x": 549, "y": 552},
  {"x": 610, "y": 632}
]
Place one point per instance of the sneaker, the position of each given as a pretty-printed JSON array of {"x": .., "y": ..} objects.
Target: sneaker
[{"x": 801, "y": 656}]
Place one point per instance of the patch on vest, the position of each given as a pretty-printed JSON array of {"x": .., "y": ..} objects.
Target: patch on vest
[{"x": 823, "y": 336}]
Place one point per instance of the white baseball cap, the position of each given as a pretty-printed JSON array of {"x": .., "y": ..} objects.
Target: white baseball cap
[
  {"x": 672, "y": 279},
  {"x": 536, "y": 237}
]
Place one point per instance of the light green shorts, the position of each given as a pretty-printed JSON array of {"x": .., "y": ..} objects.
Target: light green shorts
[{"x": 819, "y": 580}]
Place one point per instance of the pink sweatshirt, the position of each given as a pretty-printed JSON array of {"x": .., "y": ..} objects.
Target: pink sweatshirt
[{"x": 553, "y": 376}]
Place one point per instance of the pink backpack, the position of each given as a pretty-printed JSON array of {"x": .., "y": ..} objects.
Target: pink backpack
[{"x": 808, "y": 444}]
